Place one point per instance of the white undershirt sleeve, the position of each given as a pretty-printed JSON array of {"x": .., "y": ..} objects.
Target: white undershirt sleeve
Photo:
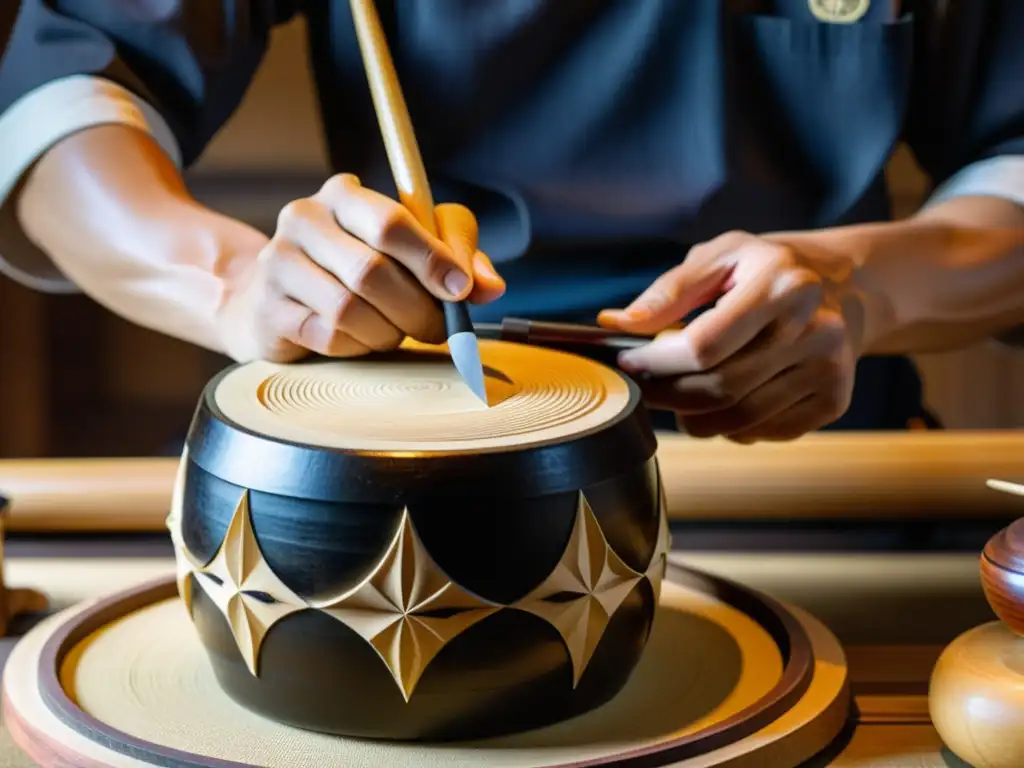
[
  {"x": 996, "y": 177},
  {"x": 1001, "y": 177},
  {"x": 34, "y": 124}
]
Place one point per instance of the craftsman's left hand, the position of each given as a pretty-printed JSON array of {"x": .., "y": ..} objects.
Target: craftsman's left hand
[{"x": 772, "y": 360}]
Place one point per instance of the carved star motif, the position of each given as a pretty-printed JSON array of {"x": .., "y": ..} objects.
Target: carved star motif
[
  {"x": 244, "y": 588},
  {"x": 584, "y": 590},
  {"x": 407, "y": 608},
  {"x": 185, "y": 563},
  {"x": 186, "y": 568}
]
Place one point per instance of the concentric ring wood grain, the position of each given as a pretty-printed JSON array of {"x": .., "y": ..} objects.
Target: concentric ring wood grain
[
  {"x": 301, "y": 431},
  {"x": 414, "y": 399},
  {"x": 780, "y": 698}
]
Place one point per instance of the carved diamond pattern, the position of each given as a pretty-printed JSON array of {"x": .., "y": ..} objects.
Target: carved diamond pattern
[
  {"x": 407, "y": 608},
  {"x": 247, "y": 591},
  {"x": 593, "y": 578}
]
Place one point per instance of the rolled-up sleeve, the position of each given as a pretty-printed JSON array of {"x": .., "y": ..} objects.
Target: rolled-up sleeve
[
  {"x": 174, "y": 69},
  {"x": 967, "y": 124}
]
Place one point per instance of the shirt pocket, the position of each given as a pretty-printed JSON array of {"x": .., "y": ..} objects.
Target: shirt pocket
[{"x": 824, "y": 102}]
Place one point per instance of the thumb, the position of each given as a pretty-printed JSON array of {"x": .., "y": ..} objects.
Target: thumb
[
  {"x": 457, "y": 228},
  {"x": 670, "y": 298}
]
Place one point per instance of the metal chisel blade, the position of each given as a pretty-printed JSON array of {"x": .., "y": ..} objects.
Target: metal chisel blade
[
  {"x": 465, "y": 351},
  {"x": 1006, "y": 487}
]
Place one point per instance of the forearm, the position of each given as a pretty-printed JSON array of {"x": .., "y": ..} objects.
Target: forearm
[
  {"x": 946, "y": 278},
  {"x": 951, "y": 276},
  {"x": 111, "y": 210}
]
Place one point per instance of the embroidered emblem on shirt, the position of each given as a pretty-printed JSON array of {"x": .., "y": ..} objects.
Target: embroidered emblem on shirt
[{"x": 839, "y": 11}]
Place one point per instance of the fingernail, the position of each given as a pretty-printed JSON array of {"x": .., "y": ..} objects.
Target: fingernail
[
  {"x": 627, "y": 361},
  {"x": 456, "y": 281}
]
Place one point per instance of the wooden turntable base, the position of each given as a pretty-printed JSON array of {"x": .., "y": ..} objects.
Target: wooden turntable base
[{"x": 729, "y": 678}]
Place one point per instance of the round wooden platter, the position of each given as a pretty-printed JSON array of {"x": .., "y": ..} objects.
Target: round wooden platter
[{"x": 729, "y": 677}]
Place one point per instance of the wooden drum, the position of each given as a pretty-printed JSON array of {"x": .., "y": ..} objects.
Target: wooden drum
[{"x": 366, "y": 550}]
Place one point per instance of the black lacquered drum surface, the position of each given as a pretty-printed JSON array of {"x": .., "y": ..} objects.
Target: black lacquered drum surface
[{"x": 417, "y": 594}]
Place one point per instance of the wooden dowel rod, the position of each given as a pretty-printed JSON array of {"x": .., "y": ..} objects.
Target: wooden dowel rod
[
  {"x": 87, "y": 495},
  {"x": 835, "y": 475},
  {"x": 855, "y": 475}
]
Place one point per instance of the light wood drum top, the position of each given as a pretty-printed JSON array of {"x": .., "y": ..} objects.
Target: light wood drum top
[{"x": 414, "y": 400}]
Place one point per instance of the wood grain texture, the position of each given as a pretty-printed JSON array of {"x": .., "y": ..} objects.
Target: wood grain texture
[
  {"x": 78, "y": 495},
  {"x": 871, "y": 475},
  {"x": 1002, "y": 575},
  {"x": 399, "y": 437},
  {"x": 976, "y": 696},
  {"x": 414, "y": 400},
  {"x": 804, "y": 727},
  {"x": 857, "y": 475}
]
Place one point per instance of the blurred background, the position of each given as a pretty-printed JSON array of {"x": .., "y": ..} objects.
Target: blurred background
[{"x": 77, "y": 381}]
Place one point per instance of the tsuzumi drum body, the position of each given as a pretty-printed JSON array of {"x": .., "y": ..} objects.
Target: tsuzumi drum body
[{"x": 366, "y": 549}]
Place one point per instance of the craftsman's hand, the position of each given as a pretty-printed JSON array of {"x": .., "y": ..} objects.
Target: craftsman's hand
[
  {"x": 772, "y": 360},
  {"x": 350, "y": 271}
]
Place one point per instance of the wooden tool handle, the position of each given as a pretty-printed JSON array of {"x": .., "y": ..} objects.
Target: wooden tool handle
[
  {"x": 399, "y": 139},
  {"x": 393, "y": 115},
  {"x": 543, "y": 332},
  {"x": 820, "y": 476}
]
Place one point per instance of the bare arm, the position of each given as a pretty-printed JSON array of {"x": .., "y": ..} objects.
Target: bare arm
[
  {"x": 961, "y": 279},
  {"x": 101, "y": 103},
  {"x": 111, "y": 210},
  {"x": 954, "y": 274},
  {"x": 951, "y": 276}
]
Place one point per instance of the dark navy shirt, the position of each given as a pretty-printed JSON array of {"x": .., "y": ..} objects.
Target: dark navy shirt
[{"x": 595, "y": 141}]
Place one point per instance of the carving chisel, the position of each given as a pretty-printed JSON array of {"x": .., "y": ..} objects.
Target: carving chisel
[
  {"x": 411, "y": 176},
  {"x": 548, "y": 334},
  {"x": 601, "y": 344}
]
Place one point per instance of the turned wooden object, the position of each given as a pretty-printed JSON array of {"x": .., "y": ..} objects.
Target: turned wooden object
[
  {"x": 1002, "y": 575},
  {"x": 364, "y": 525},
  {"x": 976, "y": 697}
]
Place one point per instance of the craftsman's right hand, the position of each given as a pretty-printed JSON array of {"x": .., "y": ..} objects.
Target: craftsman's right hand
[{"x": 350, "y": 271}]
